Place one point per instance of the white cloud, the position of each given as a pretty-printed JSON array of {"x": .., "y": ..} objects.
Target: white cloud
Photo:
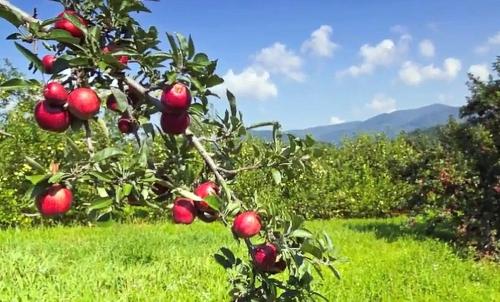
[
  {"x": 250, "y": 84},
  {"x": 384, "y": 53},
  {"x": 399, "y": 29},
  {"x": 427, "y": 48},
  {"x": 492, "y": 42},
  {"x": 320, "y": 42},
  {"x": 382, "y": 104},
  {"x": 480, "y": 71},
  {"x": 278, "y": 59},
  {"x": 336, "y": 120},
  {"x": 413, "y": 74}
]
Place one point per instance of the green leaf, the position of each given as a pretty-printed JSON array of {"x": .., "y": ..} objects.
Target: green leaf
[
  {"x": 173, "y": 44},
  {"x": 107, "y": 153},
  {"x": 33, "y": 163},
  {"x": 149, "y": 129},
  {"x": 100, "y": 203},
  {"x": 191, "y": 49},
  {"x": 214, "y": 80},
  {"x": 102, "y": 192},
  {"x": 13, "y": 84},
  {"x": 35, "y": 179},
  {"x": 276, "y": 176},
  {"x": 186, "y": 194},
  {"x": 232, "y": 102},
  {"x": 121, "y": 99},
  {"x": 29, "y": 55},
  {"x": 301, "y": 233},
  {"x": 62, "y": 36},
  {"x": 214, "y": 202},
  {"x": 201, "y": 59},
  {"x": 335, "y": 271},
  {"x": 56, "y": 178},
  {"x": 101, "y": 176},
  {"x": 126, "y": 189}
]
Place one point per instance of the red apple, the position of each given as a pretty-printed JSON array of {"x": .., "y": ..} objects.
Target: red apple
[
  {"x": 183, "y": 211},
  {"x": 175, "y": 123},
  {"x": 123, "y": 60},
  {"x": 264, "y": 256},
  {"x": 204, "y": 190},
  {"x": 83, "y": 103},
  {"x": 247, "y": 224},
  {"x": 111, "y": 103},
  {"x": 55, "y": 94},
  {"x": 48, "y": 63},
  {"x": 65, "y": 24},
  {"x": 127, "y": 125},
  {"x": 56, "y": 200},
  {"x": 176, "y": 98},
  {"x": 51, "y": 118}
]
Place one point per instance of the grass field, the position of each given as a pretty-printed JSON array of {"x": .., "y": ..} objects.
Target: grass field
[{"x": 381, "y": 262}]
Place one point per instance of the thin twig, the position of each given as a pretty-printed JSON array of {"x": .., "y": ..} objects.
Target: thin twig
[
  {"x": 5, "y": 133},
  {"x": 88, "y": 137}
]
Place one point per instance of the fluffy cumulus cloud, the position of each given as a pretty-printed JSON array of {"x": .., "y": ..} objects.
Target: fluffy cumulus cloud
[
  {"x": 249, "y": 84},
  {"x": 492, "y": 42},
  {"x": 320, "y": 43},
  {"x": 480, "y": 71},
  {"x": 381, "y": 104},
  {"x": 413, "y": 74},
  {"x": 277, "y": 59},
  {"x": 427, "y": 48},
  {"x": 384, "y": 53},
  {"x": 334, "y": 120}
]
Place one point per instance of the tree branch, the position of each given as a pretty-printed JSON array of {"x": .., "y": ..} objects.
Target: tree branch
[
  {"x": 5, "y": 133},
  {"x": 143, "y": 91},
  {"x": 6, "y": 5}
]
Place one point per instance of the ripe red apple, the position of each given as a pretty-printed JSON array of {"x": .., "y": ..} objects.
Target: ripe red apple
[
  {"x": 65, "y": 24},
  {"x": 264, "y": 256},
  {"x": 126, "y": 124},
  {"x": 111, "y": 103},
  {"x": 183, "y": 211},
  {"x": 176, "y": 98},
  {"x": 204, "y": 190},
  {"x": 83, "y": 103},
  {"x": 247, "y": 224},
  {"x": 56, "y": 200},
  {"x": 175, "y": 123},
  {"x": 51, "y": 118},
  {"x": 48, "y": 63},
  {"x": 55, "y": 94},
  {"x": 123, "y": 60}
]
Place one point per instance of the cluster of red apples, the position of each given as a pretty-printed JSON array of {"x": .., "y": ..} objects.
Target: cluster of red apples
[
  {"x": 59, "y": 106},
  {"x": 245, "y": 225},
  {"x": 52, "y": 113}
]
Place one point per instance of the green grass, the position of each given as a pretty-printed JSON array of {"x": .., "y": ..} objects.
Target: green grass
[{"x": 382, "y": 262}]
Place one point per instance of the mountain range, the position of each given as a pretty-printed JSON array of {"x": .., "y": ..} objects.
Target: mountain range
[{"x": 389, "y": 123}]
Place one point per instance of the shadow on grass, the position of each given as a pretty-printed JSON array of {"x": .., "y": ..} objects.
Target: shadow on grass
[{"x": 392, "y": 230}]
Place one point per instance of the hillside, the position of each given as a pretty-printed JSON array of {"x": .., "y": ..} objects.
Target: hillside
[{"x": 389, "y": 123}]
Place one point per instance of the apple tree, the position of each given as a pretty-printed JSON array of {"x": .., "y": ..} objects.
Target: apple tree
[{"x": 95, "y": 54}]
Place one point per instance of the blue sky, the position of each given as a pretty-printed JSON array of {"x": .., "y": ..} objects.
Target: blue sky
[{"x": 309, "y": 63}]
